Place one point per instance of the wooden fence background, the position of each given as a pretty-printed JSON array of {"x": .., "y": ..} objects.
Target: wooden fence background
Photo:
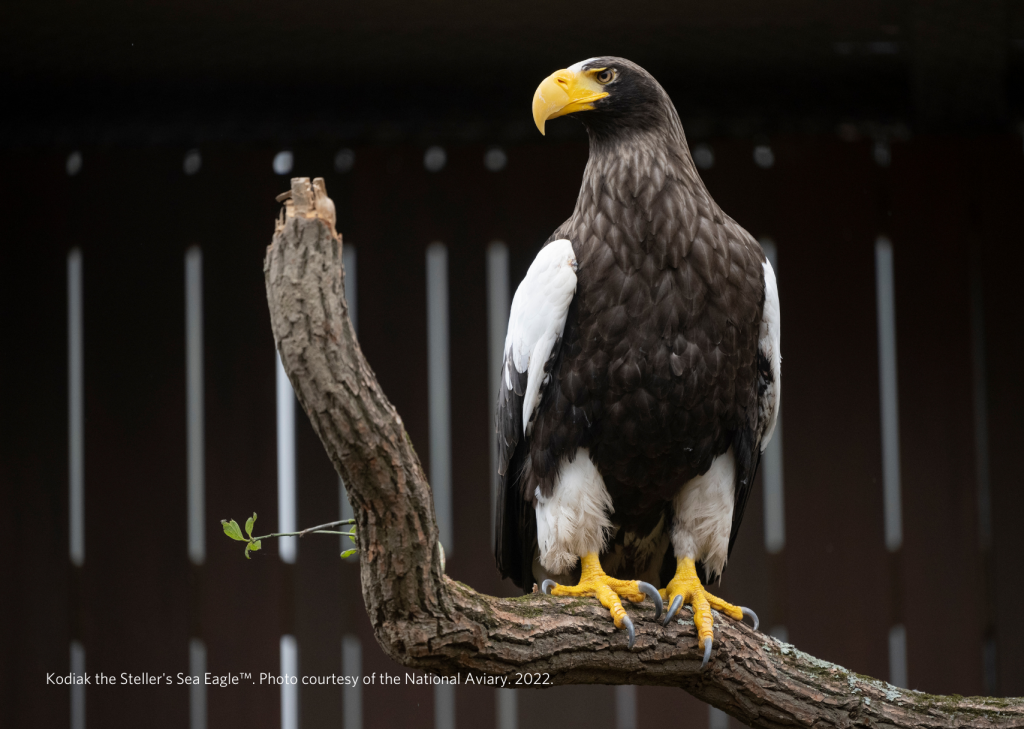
[{"x": 950, "y": 205}]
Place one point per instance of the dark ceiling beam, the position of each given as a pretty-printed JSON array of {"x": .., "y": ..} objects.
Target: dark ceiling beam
[{"x": 113, "y": 72}]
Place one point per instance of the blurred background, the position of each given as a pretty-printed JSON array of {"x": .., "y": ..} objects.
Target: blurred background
[{"x": 875, "y": 148}]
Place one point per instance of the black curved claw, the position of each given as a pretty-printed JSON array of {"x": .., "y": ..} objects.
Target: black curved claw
[
  {"x": 707, "y": 652},
  {"x": 547, "y": 585},
  {"x": 652, "y": 592},
  {"x": 630, "y": 629},
  {"x": 673, "y": 608},
  {"x": 748, "y": 613}
]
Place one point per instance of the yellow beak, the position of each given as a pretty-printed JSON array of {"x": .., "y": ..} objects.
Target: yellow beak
[{"x": 564, "y": 92}]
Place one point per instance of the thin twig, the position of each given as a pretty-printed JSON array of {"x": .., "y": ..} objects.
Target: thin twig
[
  {"x": 325, "y": 526},
  {"x": 322, "y": 529}
]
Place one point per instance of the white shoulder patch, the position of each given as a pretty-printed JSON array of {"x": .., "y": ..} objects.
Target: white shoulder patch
[
  {"x": 769, "y": 338},
  {"x": 537, "y": 319}
]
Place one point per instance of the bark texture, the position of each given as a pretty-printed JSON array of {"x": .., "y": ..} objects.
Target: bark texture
[{"x": 424, "y": 620}]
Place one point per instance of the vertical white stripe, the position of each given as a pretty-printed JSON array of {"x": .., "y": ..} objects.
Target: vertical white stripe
[
  {"x": 497, "y": 326},
  {"x": 286, "y": 464},
  {"x": 348, "y": 260},
  {"x": 771, "y": 460},
  {"x": 981, "y": 467},
  {"x": 717, "y": 719},
  {"x": 197, "y": 691},
  {"x": 289, "y": 691},
  {"x": 774, "y": 494},
  {"x": 885, "y": 290},
  {"x": 444, "y": 706},
  {"x": 352, "y": 696},
  {"x": 625, "y": 707},
  {"x": 76, "y": 413},
  {"x": 898, "y": 656},
  {"x": 77, "y": 690},
  {"x": 507, "y": 705},
  {"x": 194, "y": 404},
  {"x": 439, "y": 392}
]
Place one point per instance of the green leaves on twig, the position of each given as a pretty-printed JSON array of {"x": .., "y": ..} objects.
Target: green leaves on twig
[
  {"x": 232, "y": 530},
  {"x": 253, "y": 544},
  {"x": 349, "y": 552}
]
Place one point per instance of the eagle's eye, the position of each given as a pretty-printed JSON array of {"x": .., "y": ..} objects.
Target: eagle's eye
[{"x": 605, "y": 76}]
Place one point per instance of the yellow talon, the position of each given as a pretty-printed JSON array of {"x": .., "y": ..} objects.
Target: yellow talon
[
  {"x": 686, "y": 588},
  {"x": 608, "y": 590}
]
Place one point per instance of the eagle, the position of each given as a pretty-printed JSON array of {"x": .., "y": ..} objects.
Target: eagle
[{"x": 641, "y": 373}]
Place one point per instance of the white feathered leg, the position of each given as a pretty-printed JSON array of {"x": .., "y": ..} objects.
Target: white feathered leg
[
  {"x": 574, "y": 520},
  {"x": 700, "y": 531},
  {"x": 703, "y": 515},
  {"x": 573, "y": 524}
]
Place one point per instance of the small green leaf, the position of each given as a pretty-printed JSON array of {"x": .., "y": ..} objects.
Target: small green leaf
[
  {"x": 251, "y": 547},
  {"x": 232, "y": 530},
  {"x": 348, "y": 553},
  {"x": 352, "y": 537},
  {"x": 249, "y": 524}
]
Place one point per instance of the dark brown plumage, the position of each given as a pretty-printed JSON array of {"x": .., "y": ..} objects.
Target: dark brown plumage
[{"x": 657, "y": 371}]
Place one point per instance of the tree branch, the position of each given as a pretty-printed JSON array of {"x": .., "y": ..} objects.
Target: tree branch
[{"x": 422, "y": 619}]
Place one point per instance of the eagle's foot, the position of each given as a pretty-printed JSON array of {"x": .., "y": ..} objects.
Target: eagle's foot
[
  {"x": 685, "y": 587},
  {"x": 595, "y": 583}
]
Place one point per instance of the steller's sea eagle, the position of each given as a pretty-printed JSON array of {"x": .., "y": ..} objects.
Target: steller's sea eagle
[{"x": 640, "y": 381}]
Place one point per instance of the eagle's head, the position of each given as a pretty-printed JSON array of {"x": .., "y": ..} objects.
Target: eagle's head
[{"x": 620, "y": 98}]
